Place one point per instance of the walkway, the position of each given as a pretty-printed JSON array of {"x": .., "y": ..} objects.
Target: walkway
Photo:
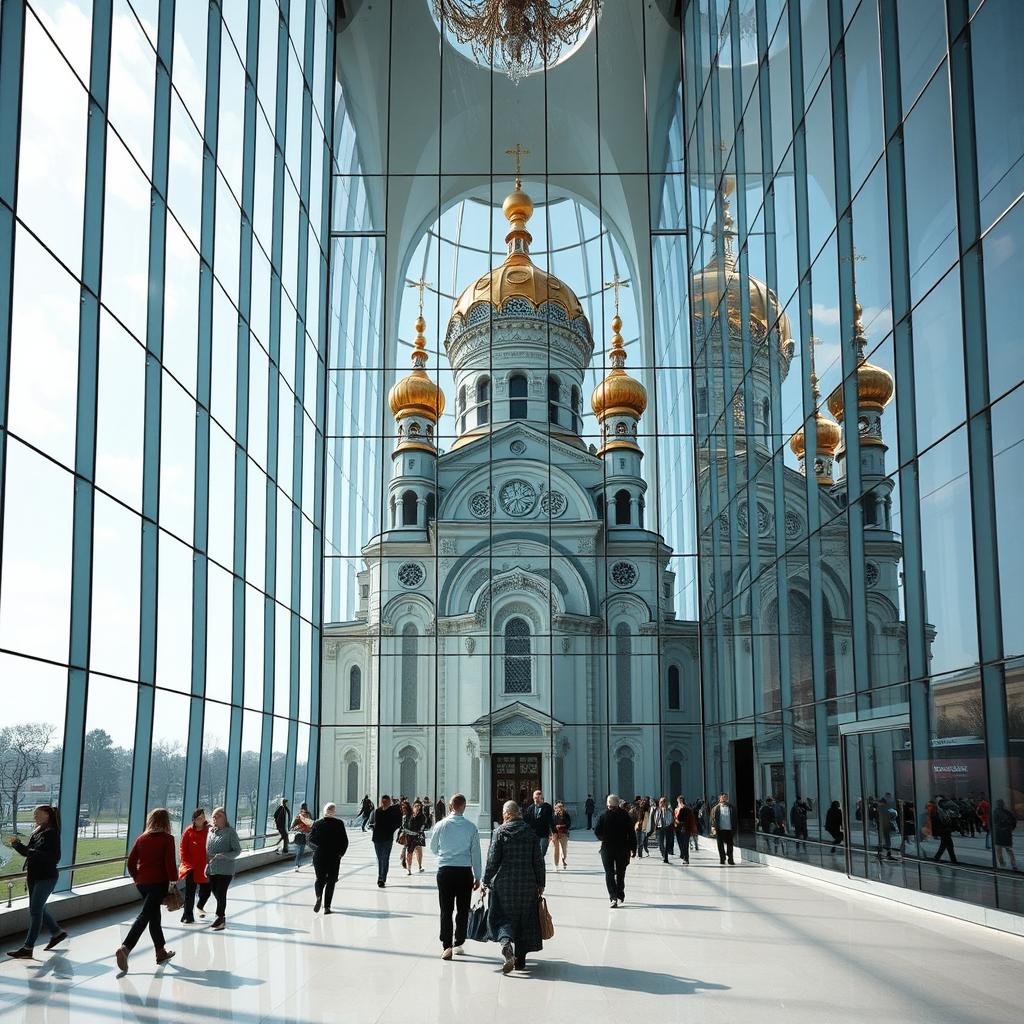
[{"x": 704, "y": 944}]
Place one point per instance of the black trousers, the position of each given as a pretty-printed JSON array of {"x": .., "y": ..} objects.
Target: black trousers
[
  {"x": 152, "y": 903},
  {"x": 615, "y": 863},
  {"x": 946, "y": 846},
  {"x": 326, "y": 869},
  {"x": 454, "y": 892},
  {"x": 283, "y": 833},
  {"x": 190, "y": 895},
  {"x": 219, "y": 885},
  {"x": 684, "y": 845},
  {"x": 724, "y": 839},
  {"x": 666, "y": 841}
]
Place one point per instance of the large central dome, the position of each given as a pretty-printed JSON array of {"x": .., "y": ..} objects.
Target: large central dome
[{"x": 517, "y": 276}]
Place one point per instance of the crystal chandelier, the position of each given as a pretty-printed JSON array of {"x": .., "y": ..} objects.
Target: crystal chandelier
[{"x": 522, "y": 34}]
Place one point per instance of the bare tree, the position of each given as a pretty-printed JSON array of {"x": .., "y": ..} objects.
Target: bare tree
[{"x": 23, "y": 755}]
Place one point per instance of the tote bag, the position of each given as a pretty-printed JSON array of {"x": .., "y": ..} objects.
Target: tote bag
[
  {"x": 547, "y": 926},
  {"x": 476, "y": 928}
]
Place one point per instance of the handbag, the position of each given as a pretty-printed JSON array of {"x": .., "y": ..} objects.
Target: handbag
[
  {"x": 173, "y": 901},
  {"x": 477, "y": 927},
  {"x": 547, "y": 926},
  {"x": 403, "y": 839}
]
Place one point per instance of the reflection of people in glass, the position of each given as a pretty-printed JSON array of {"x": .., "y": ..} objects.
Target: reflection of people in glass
[
  {"x": 798, "y": 819},
  {"x": 942, "y": 822},
  {"x": 834, "y": 824},
  {"x": 1004, "y": 821},
  {"x": 883, "y": 822}
]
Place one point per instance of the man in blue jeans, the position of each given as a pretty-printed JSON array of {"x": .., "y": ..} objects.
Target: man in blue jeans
[
  {"x": 386, "y": 821},
  {"x": 540, "y": 816}
]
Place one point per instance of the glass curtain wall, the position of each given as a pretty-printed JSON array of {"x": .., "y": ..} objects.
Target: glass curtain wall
[
  {"x": 854, "y": 189},
  {"x": 510, "y": 581},
  {"x": 163, "y": 213}
]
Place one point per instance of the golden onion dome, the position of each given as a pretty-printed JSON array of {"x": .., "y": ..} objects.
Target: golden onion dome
[
  {"x": 517, "y": 276},
  {"x": 416, "y": 394},
  {"x": 875, "y": 386},
  {"x": 713, "y": 282},
  {"x": 618, "y": 392},
  {"x": 828, "y": 432}
]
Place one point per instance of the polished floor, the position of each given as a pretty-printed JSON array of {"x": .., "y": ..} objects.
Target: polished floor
[{"x": 703, "y": 943}]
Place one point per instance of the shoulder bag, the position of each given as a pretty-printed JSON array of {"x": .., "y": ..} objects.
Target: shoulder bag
[
  {"x": 547, "y": 926},
  {"x": 477, "y": 927},
  {"x": 173, "y": 901}
]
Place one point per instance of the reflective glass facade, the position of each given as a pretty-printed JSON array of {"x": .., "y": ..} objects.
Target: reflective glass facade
[
  {"x": 163, "y": 286},
  {"x": 854, "y": 175}
]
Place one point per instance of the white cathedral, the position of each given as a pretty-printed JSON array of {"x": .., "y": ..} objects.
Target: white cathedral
[{"x": 515, "y": 626}]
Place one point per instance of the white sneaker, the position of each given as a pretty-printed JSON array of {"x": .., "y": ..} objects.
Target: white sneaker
[
  {"x": 460, "y": 950},
  {"x": 615, "y": 904}
]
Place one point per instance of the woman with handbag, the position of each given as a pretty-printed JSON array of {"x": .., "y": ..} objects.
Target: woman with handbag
[
  {"x": 413, "y": 829},
  {"x": 152, "y": 867},
  {"x": 42, "y": 855},
  {"x": 193, "y": 865},
  {"x": 561, "y": 822},
  {"x": 222, "y": 850},
  {"x": 302, "y": 824}
]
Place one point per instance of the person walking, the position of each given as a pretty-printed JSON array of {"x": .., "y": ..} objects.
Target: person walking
[
  {"x": 723, "y": 826},
  {"x": 516, "y": 877},
  {"x": 439, "y": 809},
  {"x": 798, "y": 819},
  {"x": 696, "y": 810},
  {"x": 42, "y": 855},
  {"x": 455, "y": 842},
  {"x": 406, "y": 808},
  {"x": 1003, "y": 824},
  {"x": 192, "y": 854},
  {"x": 834, "y": 824},
  {"x": 684, "y": 821},
  {"x": 942, "y": 822},
  {"x": 766, "y": 822},
  {"x": 281, "y": 816},
  {"x": 540, "y": 816},
  {"x": 330, "y": 840},
  {"x": 365, "y": 810},
  {"x": 301, "y": 825},
  {"x": 151, "y": 865},
  {"x": 414, "y": 824},
  {"x": 561, "y": 823},
  {"x": 588, "y": 808},
  {"x": 222, "y": 849},
  {"x": 615, "y": 829},
  {"x": 664, "y": 827},
  {"x": 883, "y": 823},
  {"x": 387, "y": 818},
  {"x": 642, "y": 817}
]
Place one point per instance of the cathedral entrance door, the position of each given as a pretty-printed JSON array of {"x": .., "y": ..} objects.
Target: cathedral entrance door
[{"x": 513, "y": 777}]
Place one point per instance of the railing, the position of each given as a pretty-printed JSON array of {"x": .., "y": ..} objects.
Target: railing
[{"x": 11, "y": 880}]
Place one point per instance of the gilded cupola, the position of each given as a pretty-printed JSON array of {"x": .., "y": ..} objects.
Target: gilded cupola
[
  {"x": 827, "y": 434},
  {"x": 875, "y": 386},
  {"x": 716, "y": 280},
  {"x": 516, "y": 277},
  {"x": 416, "y": 401},
  {"x": 619, "y": 400}
]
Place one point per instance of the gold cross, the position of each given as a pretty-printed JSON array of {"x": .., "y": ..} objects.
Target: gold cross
[
  {"x": 517, "y": 154},
  {"x": 615, "y": 284},
  {"x": 421, "y": 285}
]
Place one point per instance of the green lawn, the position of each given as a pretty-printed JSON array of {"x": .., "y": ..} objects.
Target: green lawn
[{"x": 88, "y": 849}]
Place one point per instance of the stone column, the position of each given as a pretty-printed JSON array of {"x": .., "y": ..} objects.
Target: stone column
[
  {"x": 483, "y": 821},
  {"x": 421, "y": 511}
]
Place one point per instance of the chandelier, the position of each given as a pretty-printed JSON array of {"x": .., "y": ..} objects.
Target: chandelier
[{"x": 523, "y": 34}]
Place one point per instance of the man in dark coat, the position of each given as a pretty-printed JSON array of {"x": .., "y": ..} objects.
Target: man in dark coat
[
  {"x": 515, "y": 877},
  {"x": 281, "y": 818},
  {"x": 589, "y": 808},
  {"x": 618, "y": 842},
  {"x": 365, "y": 810},
  {"x": 540, "y": 816},
  {"x": 386, "y": 819},
  {"x": 330, "y": 842}
]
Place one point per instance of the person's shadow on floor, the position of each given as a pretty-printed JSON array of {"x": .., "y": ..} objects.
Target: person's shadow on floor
[{"x": 628, "y": 979}]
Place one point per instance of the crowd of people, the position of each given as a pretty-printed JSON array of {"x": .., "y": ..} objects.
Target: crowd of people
[{"x": 511, "y": 881}]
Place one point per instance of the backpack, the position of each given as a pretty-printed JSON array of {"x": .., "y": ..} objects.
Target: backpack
[{"x": 949, "y": 816}]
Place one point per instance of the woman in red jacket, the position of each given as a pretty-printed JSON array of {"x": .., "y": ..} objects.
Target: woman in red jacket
[
  {"x": 193, "y": 865},
  {"x": 151, "y": 865}
]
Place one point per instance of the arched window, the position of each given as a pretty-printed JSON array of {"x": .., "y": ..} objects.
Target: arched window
[
  {"x": 355, "y": 689},
  {"x": 675, "y": 776},
  {"x": 431, "y": 507},
  {"x": 407, "y": 772},
  {"x": 625, "y": 772},
  {"x": 553, "y": 391},
  {"x": 623, "y": 673},
  {"x": 600, "y": 506},
  {"x": 408, "y": 693},
  {"x": 462, "y": 409},
  {"x": 483, "y": 401},
  {"x": 409, "y": 508},
  {"x": 352, "y": 782},
  {"x": 518, "y": 664},
  {"x": 517, "y": 397},
  {"x": 870, "y": 509},
  {"x": 577, "y": 422},
  {"x": 622, "y": 508},
  {"x": 673, "y": 687}
]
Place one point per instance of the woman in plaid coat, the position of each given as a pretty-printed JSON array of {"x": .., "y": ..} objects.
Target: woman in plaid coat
[{"x": 515, "y": 877}]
